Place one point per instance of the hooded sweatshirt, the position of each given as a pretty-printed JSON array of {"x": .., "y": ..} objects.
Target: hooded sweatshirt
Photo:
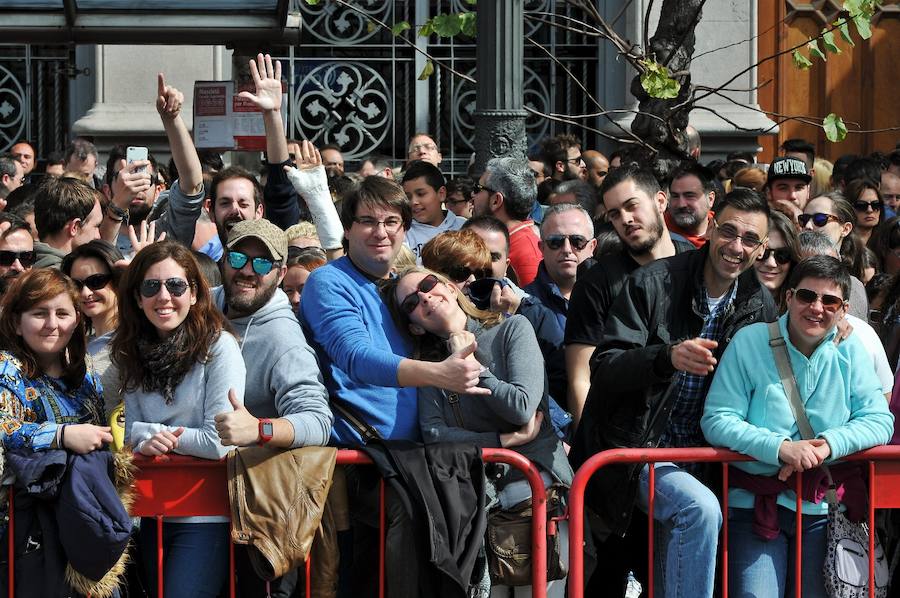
[
  {"x": 419, "y": 234},
  {"x": 283, "y": 376}
]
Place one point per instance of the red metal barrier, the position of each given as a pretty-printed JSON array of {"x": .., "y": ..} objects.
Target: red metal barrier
[
  {"x": 884, "y": 493},
  {"x": 177, "y": 486}
]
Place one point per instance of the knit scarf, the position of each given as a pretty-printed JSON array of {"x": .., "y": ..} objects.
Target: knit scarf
[{"x": 164, "y": 365}]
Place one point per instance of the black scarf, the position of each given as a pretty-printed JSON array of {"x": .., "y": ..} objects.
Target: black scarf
[{"x": 164, "y": 366}]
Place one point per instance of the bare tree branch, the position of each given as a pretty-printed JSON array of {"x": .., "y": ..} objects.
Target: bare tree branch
[
  {"x": 743, "y": 41},
  {"x": 604, "y": 134},
  {"x": 403, "y": 38}
]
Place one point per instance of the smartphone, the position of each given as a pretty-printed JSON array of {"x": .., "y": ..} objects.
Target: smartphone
[{"x": 133, "y": 154}]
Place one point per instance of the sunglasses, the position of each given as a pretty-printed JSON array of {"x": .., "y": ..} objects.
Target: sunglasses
[
  {"x": 151, "y": 287},
  {"x": 478, "y": 188},
  {"x": 480, "y": 291},
  {"x": 863, "y": 206},
  {"x": 831, "y": 303},
  {"x": 411, "y": 301},
  {"x": 818, "y": 219},
  {"x": 94, "y": 282},
  {"x": 462, "y": 273},
  {"x": 554, "y": 242},
  {"x": 260, "y": 265},
  {"x": 782, "y": 255},
  {"x": 8, "y": 258}
]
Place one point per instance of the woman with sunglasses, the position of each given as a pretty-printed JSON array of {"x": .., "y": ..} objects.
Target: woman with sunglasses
[
  {"x": 747, "y": 410},
  {"x": 441, "y": 318},
  {"x": 782, "y": 252},
  {"x": 92, "y": 268},
  {"x": 179, "y": 366},
  {"x": 864, "y": 196}
]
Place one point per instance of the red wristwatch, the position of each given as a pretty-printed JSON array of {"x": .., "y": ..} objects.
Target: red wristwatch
[{"x": 265, "y": 431}]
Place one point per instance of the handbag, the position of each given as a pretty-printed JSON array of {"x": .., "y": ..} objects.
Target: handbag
[
  {"x": 508, "y": 536},
  {"x": 846, "y": 569},
  {"x": 508, "y": 542}
]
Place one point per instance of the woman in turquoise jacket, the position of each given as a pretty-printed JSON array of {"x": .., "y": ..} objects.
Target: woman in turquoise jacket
[{"x": 748, "y": 411}]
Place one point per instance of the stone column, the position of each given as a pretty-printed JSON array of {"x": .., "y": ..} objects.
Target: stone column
[{"x": 499, "y": 116}]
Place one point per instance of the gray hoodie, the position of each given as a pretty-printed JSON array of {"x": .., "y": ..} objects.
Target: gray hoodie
[{"x": 283, "y": 376}]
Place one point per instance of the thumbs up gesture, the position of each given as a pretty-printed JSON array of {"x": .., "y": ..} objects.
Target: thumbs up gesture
[{"x": 237, "y": 427}]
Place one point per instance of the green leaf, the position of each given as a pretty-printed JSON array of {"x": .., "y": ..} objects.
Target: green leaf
[
  {"x": 828, "y": 42},
  {"x": 656, "y": 81},
  {"x": 312, "y": 2},
  {"x": 835, "y": 129},
  {"x": 400, "y": 27},
  {"x": 863, "y": 25},
  {"x": 427, "y": 28},
  {"x": 844, "y": 28},
  {"x": 447, "y": 25},
  {"x": 467, "y": 24},
  {"x": 471, "y": 2},
  {"x": 814, "y": 51},
  {"x": 801, "y": 61},
  {"x": 371, "y": 26},
  {"x": 427, "y": 71}
]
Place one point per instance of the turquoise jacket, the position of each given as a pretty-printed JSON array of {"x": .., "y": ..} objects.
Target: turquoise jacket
[{"x": 747, "y": 410}]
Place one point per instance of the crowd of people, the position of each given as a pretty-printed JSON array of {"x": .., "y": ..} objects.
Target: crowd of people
[{"x": 557, "y": 304}]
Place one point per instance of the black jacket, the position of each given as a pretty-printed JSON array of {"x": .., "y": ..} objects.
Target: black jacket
[
  {"x": 443, "y": 489},
  {"x": 631, "y": 396}
]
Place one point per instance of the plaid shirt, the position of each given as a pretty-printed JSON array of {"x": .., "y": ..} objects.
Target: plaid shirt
[{"x": 684, "y": 423}]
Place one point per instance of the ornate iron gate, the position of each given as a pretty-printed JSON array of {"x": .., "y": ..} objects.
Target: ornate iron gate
[
  {"x": 355, "y": 85},
  {"x": 34, "y": 92}
]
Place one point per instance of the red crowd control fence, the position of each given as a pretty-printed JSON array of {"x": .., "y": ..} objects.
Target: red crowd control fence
[
  {"x": 178, "y": 486},
  {"x": 884, "y": 493}
]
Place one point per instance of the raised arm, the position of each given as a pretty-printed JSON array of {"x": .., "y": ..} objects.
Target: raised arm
[
  {"x": 168, "y": 103},
  {"x": 267, "y": 79}
]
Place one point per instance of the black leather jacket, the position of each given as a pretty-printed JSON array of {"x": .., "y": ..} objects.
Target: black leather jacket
[{"x": 631, "y": 394}]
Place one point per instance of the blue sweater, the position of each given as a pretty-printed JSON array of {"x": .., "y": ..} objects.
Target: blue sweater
[
  {"x": 360, "y": 350},
  {"x": 747, "y": 410}
]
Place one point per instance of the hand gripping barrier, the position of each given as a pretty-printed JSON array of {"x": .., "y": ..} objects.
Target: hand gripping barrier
[
  {"x": 884, "y": 493},
  {"x": 178, "y": 486}
]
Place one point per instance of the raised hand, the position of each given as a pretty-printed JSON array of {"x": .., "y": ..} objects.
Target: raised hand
[
  {"x": 146, "y": 236},
  {"x": 168, "y": 99},
  {"x": 267, "y": 78}
]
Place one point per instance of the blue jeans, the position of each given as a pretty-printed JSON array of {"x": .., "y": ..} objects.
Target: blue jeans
[
  {"x": 195, "y": 557},
  {"x": 761, "y": 568},
  {"x": 687, "y": 539}
]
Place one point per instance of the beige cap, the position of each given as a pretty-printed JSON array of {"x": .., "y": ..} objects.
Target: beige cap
[{"x": 270, "y": 235}]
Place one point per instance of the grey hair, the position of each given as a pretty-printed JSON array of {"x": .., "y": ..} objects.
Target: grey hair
[
  {"x": 813, "y": 242},
  {"x": 568, "y": 207},
  {"x": 514, "y": 179}
]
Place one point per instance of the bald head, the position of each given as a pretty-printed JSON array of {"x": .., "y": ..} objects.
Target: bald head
[
  {"x": 597, "y": 167},
  {"x": 890, "y": 189}
]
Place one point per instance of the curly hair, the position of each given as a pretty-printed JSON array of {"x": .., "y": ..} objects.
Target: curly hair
[
  {"x": 204, "y": 322},
  {"x": 28, "y": 290}
]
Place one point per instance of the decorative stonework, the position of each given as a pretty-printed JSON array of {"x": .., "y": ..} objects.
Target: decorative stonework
[{"x": 501, "y": 133}]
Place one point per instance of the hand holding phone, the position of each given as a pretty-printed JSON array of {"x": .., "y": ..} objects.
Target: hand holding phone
[{"x": 134, "y": 154}]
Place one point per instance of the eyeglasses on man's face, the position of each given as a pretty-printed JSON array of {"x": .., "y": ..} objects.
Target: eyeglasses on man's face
[{"x": 729, "y": 234}]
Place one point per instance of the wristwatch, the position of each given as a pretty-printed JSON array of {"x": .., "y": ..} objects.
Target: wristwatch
[
  {"x": 116, "y": 213},
  {"x": 265, "y": 431}
]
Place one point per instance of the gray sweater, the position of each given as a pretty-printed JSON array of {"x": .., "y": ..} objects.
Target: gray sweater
[
  {"x": 201, "y": 396},
  {"x": 283, "y": 376},
  {"x": 517, "y": 380}
]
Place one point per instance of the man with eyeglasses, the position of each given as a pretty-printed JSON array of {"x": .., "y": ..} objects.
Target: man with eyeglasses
[
  {"x": 562, "y": 155},
  {"x": 285, "y": 401},
  {"x": 664, "y": 334},
  {"x": 423, "y": 147},
  {"x": 16, "y": 251},
  {"x": 370, "y": 377}
]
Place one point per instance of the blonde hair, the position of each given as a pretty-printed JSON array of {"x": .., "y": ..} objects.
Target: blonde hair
[
  {"x": 301, "y": 230},
  {"x": 821, "y": 181}
]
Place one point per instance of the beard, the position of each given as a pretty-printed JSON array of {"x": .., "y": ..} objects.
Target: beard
[
  {"x": 249, "y": 304},
  {"x": 686, "y": 218},
  {"x": 138, "y": 213},
  {"x": 654, "y": 232}
]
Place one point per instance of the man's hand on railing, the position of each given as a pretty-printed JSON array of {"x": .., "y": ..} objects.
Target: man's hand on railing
[
  {"x": 238, "y": 427},
  {"x": 160, "y": 443}
]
